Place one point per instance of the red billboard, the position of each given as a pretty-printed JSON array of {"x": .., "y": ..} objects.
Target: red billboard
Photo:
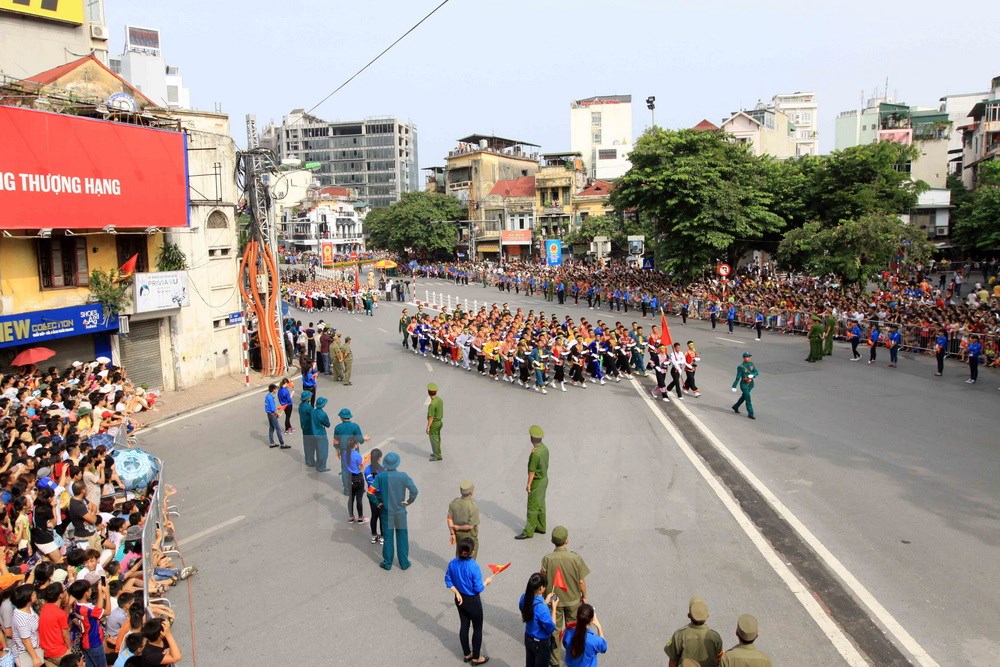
[{"x": 66, "y": 172}]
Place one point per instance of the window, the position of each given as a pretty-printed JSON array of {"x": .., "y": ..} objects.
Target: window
[
  {"x": 607, "y": 154},
  {"x": 805, "y": 117},
  {"x": 62, "y": 262},
  {"x": 217, "y": 220},
  {"x": 172, "y": 96},
  {"x": 129, "y": 245},
  {"x": 597, "y": 137},
  {"x": 595, "y": 118}
]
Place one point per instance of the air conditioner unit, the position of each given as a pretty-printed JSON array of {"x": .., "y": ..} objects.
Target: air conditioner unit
[{"x": 99, "y": 32}]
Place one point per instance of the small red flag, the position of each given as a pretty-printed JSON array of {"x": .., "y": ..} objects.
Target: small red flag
[
  {"x": 665, "y": 338},
  {"x": 559, "y": 581},
  {"x": 128, "y": 268},
  {"x": 497, "y": 569}
]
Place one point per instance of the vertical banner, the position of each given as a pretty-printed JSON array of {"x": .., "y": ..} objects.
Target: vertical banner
[
  {"x": 326, "y": 253},
  {"x": 553, "y": 252}
]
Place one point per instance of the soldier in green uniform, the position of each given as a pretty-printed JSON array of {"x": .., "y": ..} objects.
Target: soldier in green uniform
[
  {"x": 348, "y": 355},
  {"x": 745, "y": 654},
  {"x": 745, "y": 374},
  {"x": 567, "y": 577},
  {"x": 538, "y": 482},
  {"x": 831, "y": 329},
  {"x": 463, "y": 518},
  {"x": 815, "y": 341},
  {"x": 404, "y": 321},
  {"x": 435, "y": 415},
  {"x": 695, "y": 641},
  {"x": 337, "y": 359}
]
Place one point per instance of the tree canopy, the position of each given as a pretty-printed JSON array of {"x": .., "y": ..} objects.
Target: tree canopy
[
  {"x": 978, "y": 215},
  {"x": 421, "y": 223}
]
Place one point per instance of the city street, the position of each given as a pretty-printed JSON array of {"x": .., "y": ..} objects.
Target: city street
[{"x": 890, "y": 476}]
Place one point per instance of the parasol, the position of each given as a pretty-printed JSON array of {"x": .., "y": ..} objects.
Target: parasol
[
  {"x": 32, "y": 356},
  {"x": 136, "y": 468},
  {"x": 385, "y": 264}
]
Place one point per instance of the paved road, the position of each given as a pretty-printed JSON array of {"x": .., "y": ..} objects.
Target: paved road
[{"x": 895, "y": 472}]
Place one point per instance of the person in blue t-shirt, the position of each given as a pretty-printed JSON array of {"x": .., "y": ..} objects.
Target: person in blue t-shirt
[
  {"x": 581, "y": 643},
  {"x": 539, "y": 617},
  {"x": 975, "y": 349},
  {"x": 713, "y": 314},
  {"x": 894, "y": 343},
  {"x": 309, "y": 381},
  {"x": 731, "y": 317},
  {"x": 854, "y": 338},
  {"x": 940, "y": 350},
  {"x": 873, "y": 338},
  {"x": 466, "y": 581},
  {"x": 271, "y": 410}
]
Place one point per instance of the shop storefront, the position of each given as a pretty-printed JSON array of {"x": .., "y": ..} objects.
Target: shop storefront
[{"x": 75, "y": 333}]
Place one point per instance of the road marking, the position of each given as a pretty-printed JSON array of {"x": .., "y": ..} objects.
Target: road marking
[
  {"x": 382, "y": 330},
  {"x": 430, "y": 369},
  {"x": 383, "y": 443},
  {"x": 357, "y": 319},
  {"x": 831, "y": 561},
  {"x": 731, "y": 340},
  {"x": 209, "y": 531},
  {"x": 801, "y": 593}
]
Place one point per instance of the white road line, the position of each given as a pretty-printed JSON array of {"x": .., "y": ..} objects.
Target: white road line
[
  {"x": 831, "y": 561},
  {"x": 382, "y": 330},
  {"x": 357, "y": 319},
  {"x": 383, "y": 443},
  {"x": 430, "y": 369},
  {"x": 801, "y": 593},
  {"x": 209, "y": 531},
  {"x": 730, "y": 340}
]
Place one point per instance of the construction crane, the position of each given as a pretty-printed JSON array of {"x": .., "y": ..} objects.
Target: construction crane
[{"x": 259, "y": 277}]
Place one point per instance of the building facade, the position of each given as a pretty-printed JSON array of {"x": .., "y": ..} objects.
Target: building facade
[
  {"x": 981, "y": 135},
  {"x": 766, "y": 130},
  {"x": 803, "y": 112},
  {"x": 601, "y": 132},
  {"x": 37, "y": 36},
  {"x": 142, "y": 65},
  {"x": 329, "y": 214},
  {"x": 377, "y": 157}
]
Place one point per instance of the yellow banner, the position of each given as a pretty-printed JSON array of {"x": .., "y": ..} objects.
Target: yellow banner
[{"x": 66, "y": 11}]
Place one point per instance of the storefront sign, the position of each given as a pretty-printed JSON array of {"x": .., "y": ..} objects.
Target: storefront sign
[
  {"x": 515, "y": 237},
  {"x": 64, "y": 171},
  {"x": 65, "y": 11},
  {"x": 42, "y": 325},
  {"x": 164, "y": 290}
]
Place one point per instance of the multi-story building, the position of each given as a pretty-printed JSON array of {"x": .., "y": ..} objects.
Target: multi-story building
[
  {"x": 766, "y": 130},
  {"x": 377, "y": 157},
  {"x": 559, "y": 179},
  {"x": 958, "y": 107},
  {"x": 601, "y": 131},
  {"x": 37, "y": 36},
  {"x": 327, "y": 214},
  {"x": 981, "y": 135},
  {"x": 142, "y": 64},
  {"x": 512, "y": 204},
  {"x": 802, "y": 111}
]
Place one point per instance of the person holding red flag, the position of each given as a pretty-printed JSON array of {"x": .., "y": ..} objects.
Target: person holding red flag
[
  {"x": 465, "y": 580},
  {"x": 568, "y": 573}
]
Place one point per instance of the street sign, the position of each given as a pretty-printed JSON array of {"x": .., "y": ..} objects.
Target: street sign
[
  {"x": 724, "y": 270},
  {"x": 354, "y": 256},
  {"x": 235, "y": 318},
  {"x": 648, "y": 264},
  {"x": 553, "y": 252},
  {"x": 461, "y": 254}
]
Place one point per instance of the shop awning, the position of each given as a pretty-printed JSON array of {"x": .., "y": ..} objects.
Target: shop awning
[{"x": 489, "y": 246}]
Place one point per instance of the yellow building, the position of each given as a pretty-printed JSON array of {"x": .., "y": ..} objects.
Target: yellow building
[{"x": 559, "y": 179}]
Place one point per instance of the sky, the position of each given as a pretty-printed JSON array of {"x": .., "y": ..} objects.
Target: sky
[{"x": 512, "y": 67}]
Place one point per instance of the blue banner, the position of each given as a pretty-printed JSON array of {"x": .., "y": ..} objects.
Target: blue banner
[
  {"x": 553, "y": 252},
  {"x": 42, "y": 325}
]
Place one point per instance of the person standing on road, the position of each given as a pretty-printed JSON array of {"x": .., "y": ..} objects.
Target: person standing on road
[
  {"x": 873, "y": 338},
  {"x": 272, "y": 411},
  {"x": 463, "y": 518},
  {"x": 538, "y": 482},
  {"x": 758, "y": 322},
  {"x": 325, "y": 340},
  {"x": 353, "y": 463},
  {"x": 343, "y": 433},
  {"x": 306, "y": 426},
  {"x": 336, "y": 359},
  {"x": 893, "y": 343},
  {"x": 373, "y": 468},
  {"x": 285, "y": 391},
  {"x": 940, "y": 350},
  {"x": 567, "y": 571},
  {"x": 975, "y": 349},
  {"x": 745, "y": 374},
  {"x": 435, "y": 417},
  {"x": 695, "y": 641},
  {"x": 539, "y": 616},
  {"x": 465, "y": 580},
  {"x": 404, "y": 323},
  {"x": 321, "y": 422},
  {"x": 309, "y": 380},
  {"x": 713, "y": 314},
  {"x": 815, "y": 341},
  {"x": 348, "y": 360},
  {"x": 391, "y": 487},
  {"x": 855, "y": 339},
  {"x": 731, "y": 318},
  {"x": 745, "y": 654},
  {"x": 831, "y": 331},
  {"x": 582, "y": 644},
  {"x": 691, "y": 360}
]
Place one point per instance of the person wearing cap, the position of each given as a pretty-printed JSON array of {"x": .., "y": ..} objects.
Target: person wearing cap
[
  {"x": 745, "y": 654},
  {"x": 391, "y": 489},
  {"x": 538, "y": 482},
  {"x": 306, "y": 426},
  {"x": 272, "y": 410},
  {"x": 344, "y": 435},
  {"x": 321, "y": 422},
  {"x": 830, "y": 330},
  {"x": 745, "y": 374},
  {"x": 568, "y": 573},
  {"x": 404, "y": 324},
  {"x": 347, "y": 355},
  {"x": 463, "y": 517},
  {"x": 816, "y": 333},
  {"x": 695, "y": 641},
  {"x": 435, "y": 417}
]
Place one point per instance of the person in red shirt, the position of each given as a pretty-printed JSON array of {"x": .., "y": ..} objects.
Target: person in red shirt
[{"x": 53, "y": 622}]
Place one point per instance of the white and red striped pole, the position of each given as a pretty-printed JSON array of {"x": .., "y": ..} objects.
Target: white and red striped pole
[{"x": 246, "y": 351}]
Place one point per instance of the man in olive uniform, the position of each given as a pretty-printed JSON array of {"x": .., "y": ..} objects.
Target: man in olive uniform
[
  {"x": 337, "y": 359},
  {"x": 695, "y": 641},
  {"x": 538, "y": 482},
  {"x": 435, "y": 415},
  {"x": 745, "y": 374},
  {"x": 815, "y": 341},
  {"x": 831, "y": 330},
  {"x": 567, "y": 576},
  {"x": 348, "y": 355},
  {"x": 745, "y": 654},
  {"x": 404, "y": 322},
  {"x": 463, "y": 518}
]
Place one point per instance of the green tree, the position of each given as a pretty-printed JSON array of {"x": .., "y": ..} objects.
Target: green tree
[
  {"x": 615, "y": 229},
  {"x": 420, "y": 222},
  {"x": 977, "y": 227},
  {"x": 702, "y": 193},
  {"x": 854, "y": 250}
]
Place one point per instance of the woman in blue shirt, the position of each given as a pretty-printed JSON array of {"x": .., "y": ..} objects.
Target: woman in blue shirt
[
  {"x": 466, "y": 582},
  {"x": 581, "y": 643},
  {"x": 539, "y": 616},
  {"x": 855, "y": 339},
  {"x": 975, "y": 349}
]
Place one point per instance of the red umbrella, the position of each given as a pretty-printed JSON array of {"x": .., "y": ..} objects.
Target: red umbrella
[{"x": 32, "y": 356}]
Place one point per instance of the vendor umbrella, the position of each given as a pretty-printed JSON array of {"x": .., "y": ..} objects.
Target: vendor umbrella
[
  {"x": 32, "y": 356},
  {"x": 385, "y": 264}
]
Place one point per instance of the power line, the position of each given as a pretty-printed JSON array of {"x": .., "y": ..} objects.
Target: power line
[{"x": 373, "y": 60}]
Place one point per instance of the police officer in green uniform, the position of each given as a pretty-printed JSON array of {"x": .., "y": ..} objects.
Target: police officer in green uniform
[
  {"x": 745, "y": 654},
  {"x": 337, "y": 359},
  {"x": 815, "y": 340},
  {"x": 745, "y": 374},
  {"x": 695, "y": 641},
  {"x": 404, "y": 321},
  {"x": 538, "y": 482},
  {"x": 463, "y": 518},
  {"x": 435, "y": 415},
  {"x": 831, "y": 329},
  {"x": 567, "y": 577}
]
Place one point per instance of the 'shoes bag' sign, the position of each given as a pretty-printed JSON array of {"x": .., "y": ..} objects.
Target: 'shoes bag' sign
[{"x": 68, "y": 172}]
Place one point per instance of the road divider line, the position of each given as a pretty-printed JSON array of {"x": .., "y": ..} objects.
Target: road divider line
[
  {"x": 382, "y": 330},
  {"x": 805, "y": 597},
  {"x": 430, "y": 369},
  {"x": 209, "y": 531},
  {"x": 831, "y": 561}
]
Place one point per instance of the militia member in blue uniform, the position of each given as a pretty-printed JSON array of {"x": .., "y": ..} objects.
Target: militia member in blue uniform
[
  {"x": 745, "y": 374},
  {"x": 391, "y": 487}
]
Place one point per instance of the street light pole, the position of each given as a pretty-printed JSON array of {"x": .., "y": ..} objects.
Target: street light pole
[{"x": 651, "y": 105}]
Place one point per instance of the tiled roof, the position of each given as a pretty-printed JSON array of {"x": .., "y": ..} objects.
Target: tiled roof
[
  {"x": 334, "y": 192},
  {"x": 706, "y": 126},
  {"x": 596, "y": 189},
  {"x": 518, "y": 187},
  {"x": 50, "y": 76}
]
